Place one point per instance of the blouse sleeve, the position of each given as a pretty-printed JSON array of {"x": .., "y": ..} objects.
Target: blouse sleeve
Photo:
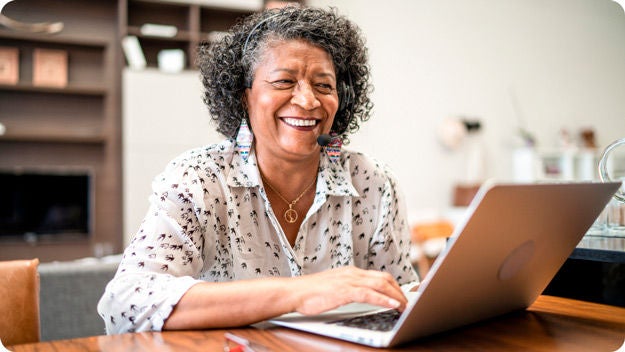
[
  {"x": 389, "y": 249},
  {"x": 162, "y": 261}
]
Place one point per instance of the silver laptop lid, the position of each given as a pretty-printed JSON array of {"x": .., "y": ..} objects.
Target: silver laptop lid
[{"x": 511, "y": 244}]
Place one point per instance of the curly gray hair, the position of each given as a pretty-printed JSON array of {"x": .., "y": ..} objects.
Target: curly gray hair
[{"x": 227, "y": 66}]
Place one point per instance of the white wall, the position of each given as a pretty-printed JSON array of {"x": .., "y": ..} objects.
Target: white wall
[
  {"x": 163, "y": 116},
  {"x": 563, "y": 61}
]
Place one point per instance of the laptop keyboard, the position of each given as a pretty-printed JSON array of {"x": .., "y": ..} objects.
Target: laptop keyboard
[{"x": 382, "y": 321}]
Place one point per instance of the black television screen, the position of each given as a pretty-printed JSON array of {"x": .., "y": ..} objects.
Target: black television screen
[{"x": 34, "y": 203}]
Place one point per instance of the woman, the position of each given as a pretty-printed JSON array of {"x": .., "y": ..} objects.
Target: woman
[{"x": 269, "y": 222}]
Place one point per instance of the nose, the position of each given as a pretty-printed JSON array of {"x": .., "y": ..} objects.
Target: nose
[{"x": 304, "y": 96}]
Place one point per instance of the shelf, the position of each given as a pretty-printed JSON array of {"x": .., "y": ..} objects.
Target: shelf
[
  {"x": 555, "y": 164},
  {"x": 195, "y": 22},
  {"x": 181, "y": 36},
  {"x": 52, "y": 137},
  {"x": 53, "y": 39},
  {"x": 245, "y": 6},
  {"x": 70, "y": 89}
]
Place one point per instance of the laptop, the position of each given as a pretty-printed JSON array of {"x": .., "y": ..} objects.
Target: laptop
[{"x": 499, "y": 259}]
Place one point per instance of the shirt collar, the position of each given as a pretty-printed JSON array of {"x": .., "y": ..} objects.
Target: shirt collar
[
  {"x": 243, "y": 173},
  {"x": 334, "y": 176}
]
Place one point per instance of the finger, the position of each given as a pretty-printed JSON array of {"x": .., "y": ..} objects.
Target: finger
[
  {"x": 380, "y": 283},
  {"x": 388, "y": 278},
  {"x": 369, "y": 296}
]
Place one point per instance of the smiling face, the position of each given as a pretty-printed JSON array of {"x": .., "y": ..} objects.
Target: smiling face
[{"x": 292, "y": 100}]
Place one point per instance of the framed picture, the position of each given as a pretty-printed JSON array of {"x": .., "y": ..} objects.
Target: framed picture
[
  {"x": 50, "y": 68},
  {"x": 9, "y": 65}
]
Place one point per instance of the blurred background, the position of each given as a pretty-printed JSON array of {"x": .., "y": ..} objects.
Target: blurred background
[
  {"x": 517, "y": 90},
  {"x": 536, "y": 77}
]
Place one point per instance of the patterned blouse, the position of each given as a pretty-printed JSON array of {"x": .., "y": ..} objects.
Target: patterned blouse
[{"x": 210, "y": 220}]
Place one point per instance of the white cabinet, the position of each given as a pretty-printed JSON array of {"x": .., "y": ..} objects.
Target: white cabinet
[
  {"x": 531, "y": 164},
  {"x": 570, "y": 165}
]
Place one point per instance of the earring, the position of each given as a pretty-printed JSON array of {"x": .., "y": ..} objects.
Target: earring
[
  {"x": 244, "y": 140},
  {"x": 333, "y": 149}
]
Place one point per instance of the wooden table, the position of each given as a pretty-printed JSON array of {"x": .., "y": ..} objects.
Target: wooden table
[{"x": 550, "y": 324}]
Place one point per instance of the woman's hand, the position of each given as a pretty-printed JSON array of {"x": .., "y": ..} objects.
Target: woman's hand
[
  {"x": 320, "y": 292},
  {"x": 238, "y": 303}
]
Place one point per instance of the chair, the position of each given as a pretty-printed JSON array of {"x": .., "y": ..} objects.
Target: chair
[
  {"x": 19, "y": 302},
  {"x": 430, "y": 237},
  {"x": 70, "y": 291},
  {"x": 463, "y": 194}
]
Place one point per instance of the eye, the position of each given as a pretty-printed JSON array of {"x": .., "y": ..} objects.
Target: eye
[
  {"x": 282, "y": 83},
  {"x": 324, "y": 88}
]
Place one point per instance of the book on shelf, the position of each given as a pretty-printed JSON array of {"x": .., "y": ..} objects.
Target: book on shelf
[
  {"x": 133, "y": 52},
  {"x": 9, "y": 65},
  {"x": 50, "y": 68}
]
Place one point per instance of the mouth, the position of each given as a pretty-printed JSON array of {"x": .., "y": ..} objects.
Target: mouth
[{"x": 300, "y": 123}]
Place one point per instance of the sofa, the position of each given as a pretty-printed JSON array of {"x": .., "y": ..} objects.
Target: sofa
[{"x": 69, "y": 294}]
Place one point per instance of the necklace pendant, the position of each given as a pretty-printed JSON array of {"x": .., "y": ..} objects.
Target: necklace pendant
[{"x": 290, "y": 215}]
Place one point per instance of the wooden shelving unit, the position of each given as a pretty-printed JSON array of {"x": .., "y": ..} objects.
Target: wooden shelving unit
[
  {"x": 66, "y": 40},
  {"x": 195, "y": 22},
  {"x": 78, "y": 126},
  {"x": 73, "y": 127}
]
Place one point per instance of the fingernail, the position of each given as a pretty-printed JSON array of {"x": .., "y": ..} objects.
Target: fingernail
[{"x": 394, "y": 303}]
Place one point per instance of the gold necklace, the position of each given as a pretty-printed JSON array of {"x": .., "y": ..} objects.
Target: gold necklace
[{"x": 290, "y": 215}]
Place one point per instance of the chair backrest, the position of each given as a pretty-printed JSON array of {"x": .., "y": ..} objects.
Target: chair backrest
[{"x": 19, "y": 302}]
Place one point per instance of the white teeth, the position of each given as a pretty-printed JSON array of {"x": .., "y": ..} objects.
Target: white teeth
[{"x": 299, "y": 122}]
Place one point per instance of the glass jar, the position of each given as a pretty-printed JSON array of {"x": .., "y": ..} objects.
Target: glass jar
[{"x": 612, "y": 169}]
